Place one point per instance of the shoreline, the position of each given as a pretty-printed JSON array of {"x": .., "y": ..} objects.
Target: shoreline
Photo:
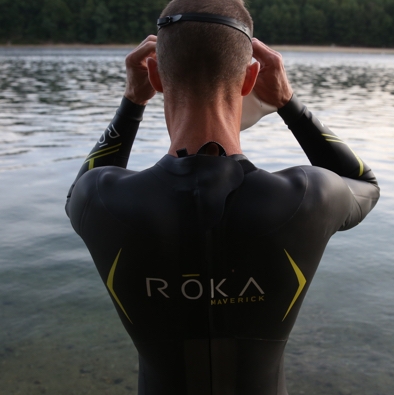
[
  {"x": 279, "y": 48},
  {"x": 332, "y": 49}
]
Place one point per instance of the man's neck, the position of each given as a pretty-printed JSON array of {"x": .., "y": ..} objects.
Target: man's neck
[{"x": 191, "y": 124}]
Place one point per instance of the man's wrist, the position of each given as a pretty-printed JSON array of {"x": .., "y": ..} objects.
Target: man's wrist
[
  {"x": 292, "y": 110},
  {"x": 129, "y": 109},
  {"x": 134, "y": 100}
]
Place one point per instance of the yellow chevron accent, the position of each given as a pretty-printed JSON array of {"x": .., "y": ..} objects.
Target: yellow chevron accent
[
  {"x": 361, "y": 172},
  {"x": 336, "y": 141},
  {"x": 301, "y": 283},
  {"x": 104, "y": 149},
  {"x": 360, "y": 162},
  {"x": 330, "y": 136},
  {"x": 91, "y": 160},
  {"x": 110, "y": 284}
]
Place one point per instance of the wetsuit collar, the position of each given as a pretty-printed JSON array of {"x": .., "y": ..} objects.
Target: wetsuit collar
[
  {"x": 206, "y": 149},
  {"x": 183, "y": 165}
]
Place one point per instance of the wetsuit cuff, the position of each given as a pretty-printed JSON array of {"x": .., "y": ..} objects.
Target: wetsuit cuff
[
  {"x": 292, "y": 111},
  {"x": 130, "y": 110}
]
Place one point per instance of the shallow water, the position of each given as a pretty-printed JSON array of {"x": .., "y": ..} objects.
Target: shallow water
[{"x": 60, "y": 333}]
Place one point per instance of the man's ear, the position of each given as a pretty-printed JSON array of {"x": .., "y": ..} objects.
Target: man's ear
[
  {"x": 153, "y": 74},
  {"x": 251, "y": 75}
]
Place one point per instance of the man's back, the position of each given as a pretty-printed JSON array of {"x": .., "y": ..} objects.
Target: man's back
[{"x": 207, "y": 260}]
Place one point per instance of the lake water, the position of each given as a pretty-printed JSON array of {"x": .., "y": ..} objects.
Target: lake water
[{"x": 59, "y": 332}]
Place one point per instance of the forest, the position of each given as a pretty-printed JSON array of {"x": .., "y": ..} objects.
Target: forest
[{"x": 358, "y": 23}]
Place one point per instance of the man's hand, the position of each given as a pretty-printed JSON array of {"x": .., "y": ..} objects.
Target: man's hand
[
  {"x": 272, "y": 85},
  {"x": 138, "y": 87}
]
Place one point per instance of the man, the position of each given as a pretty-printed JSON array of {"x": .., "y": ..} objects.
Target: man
[{"x": 207, "y": 258}]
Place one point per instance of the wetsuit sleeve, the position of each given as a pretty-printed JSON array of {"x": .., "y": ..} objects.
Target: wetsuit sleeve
[
  {"x": 324, "y": 149},
  {"x": 114, "y": 146}
]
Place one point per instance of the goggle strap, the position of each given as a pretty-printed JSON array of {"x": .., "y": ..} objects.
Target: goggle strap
[{"x": 209, "y": 18}]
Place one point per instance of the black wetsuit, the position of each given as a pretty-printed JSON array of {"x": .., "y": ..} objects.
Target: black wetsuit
[{"x": 207, "y": 258}]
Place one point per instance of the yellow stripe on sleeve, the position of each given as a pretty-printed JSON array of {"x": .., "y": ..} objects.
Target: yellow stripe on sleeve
[
  {"x": 335, "y": 139},
  {"x": 103, "y": 150}
]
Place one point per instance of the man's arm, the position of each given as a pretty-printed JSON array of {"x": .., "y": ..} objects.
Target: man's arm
[
  {"x": 322, "y": 147},
  {"x": 114, "y": 146}
]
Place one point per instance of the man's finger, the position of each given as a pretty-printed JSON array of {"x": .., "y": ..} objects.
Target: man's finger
[
  {"x": 150, "y": 38},
  {"x": 264, "y": 54},
  {"x": 266, "y": 48},
  {"x": 145, "y": 46},
  {"x": 141, "y": 53}
]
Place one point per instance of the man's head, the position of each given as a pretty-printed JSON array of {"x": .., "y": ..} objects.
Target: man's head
[{"x": 203, "y": 58}]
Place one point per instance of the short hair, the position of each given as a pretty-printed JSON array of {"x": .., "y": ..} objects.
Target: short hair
[{"x": 201, "y": 57}]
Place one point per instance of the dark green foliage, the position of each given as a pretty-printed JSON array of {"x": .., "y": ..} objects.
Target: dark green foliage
[
  {"x": 314, "y": 25},
  {"x": 324, "y": 22},
  {"x": 276, "y": 21}
]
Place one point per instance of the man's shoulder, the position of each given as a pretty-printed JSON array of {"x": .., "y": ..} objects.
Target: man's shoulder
[
  {"x": 108, "y": 177},
  {"x": 302, "y": 190},
  {"x": 289, "y": 180},
  {"x": 313, "y": 178}
]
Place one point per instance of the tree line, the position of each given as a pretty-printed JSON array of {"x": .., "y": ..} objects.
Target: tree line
[{"x": 304, "y": 22}]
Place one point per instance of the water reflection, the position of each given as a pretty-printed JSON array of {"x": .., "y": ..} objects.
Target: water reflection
[
  {"x": 72, "y": 92},
  {"x": 343, "y": 77}
]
